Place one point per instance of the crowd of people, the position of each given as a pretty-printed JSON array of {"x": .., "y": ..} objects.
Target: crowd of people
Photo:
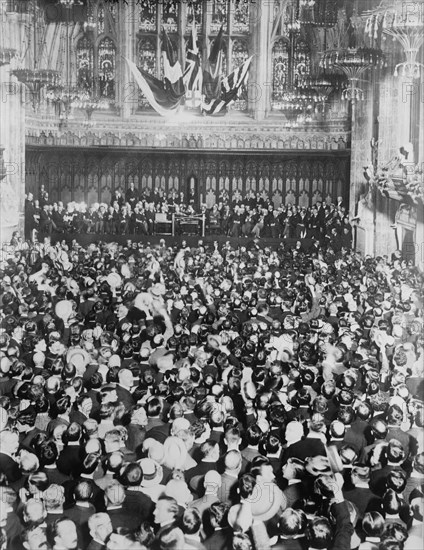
[
  {"x": 132, "y": 213},
  {"x": 209, "y": 398}
]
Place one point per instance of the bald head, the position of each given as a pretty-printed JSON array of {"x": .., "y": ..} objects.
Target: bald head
[
  {"x": 232, "y": 461},
  {"x": 34, "y": 511}
]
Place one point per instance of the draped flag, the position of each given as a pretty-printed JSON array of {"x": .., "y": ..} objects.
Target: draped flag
[
  {"x": 193, "y": 72},
  {"x": 212, "y": 78},
  {"x": 155, "y": 91},
  {"x": 164, "y": 96},
  {"x": 173, "y": 74},
  {"x": 230, "y": 90}
]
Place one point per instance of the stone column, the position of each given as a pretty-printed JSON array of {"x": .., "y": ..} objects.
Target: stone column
[
  {"x": 12, "y": 128},
  {"x": 259, "y": 85},
  {"x": 361, "y": 203},
  {"x": 127, "y": 95}
]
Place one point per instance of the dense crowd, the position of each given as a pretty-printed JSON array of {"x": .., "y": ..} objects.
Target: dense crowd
[
  {"x": 223, "y": 398},
  {"x": 134, "y": 214}
]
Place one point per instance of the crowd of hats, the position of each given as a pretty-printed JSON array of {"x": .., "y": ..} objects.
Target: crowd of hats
[{"x": 210, "y": 354}]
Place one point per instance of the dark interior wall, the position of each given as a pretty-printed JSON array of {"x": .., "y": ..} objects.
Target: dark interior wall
[{"x": 92, "y": 175}]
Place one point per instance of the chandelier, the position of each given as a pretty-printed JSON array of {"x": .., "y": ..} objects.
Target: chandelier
[
  {"x": 89, "y": 105},
  {"x": 295, "y": 99},
  {"x": 403, "y": 21},
  {"x": 352, "y": 62},
  {"x": 36, "y": 79}
]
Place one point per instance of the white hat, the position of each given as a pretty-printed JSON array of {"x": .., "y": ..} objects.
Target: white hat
[{"x": 152, "y": 472}]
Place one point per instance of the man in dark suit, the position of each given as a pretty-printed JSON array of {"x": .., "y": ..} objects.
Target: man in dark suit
[
  {"x": 29, "y": 216},
  {"x": 293, "y": 472},
  {"x": 82, "y": 409},
  {"x": 9, "y": 444},
  {"x": 394, "y": 457},
  {"x": 227, "y": 492},
  {"x": 46, "y": 223},
  {"x": 120, "y": 516},
  {"x": 100, "y": 528},
  {"x": 126, "y": 381},
  {"x": 82, "y": 510},
  {"x": 89, "y": 466},
  {"x": 48, "y": 455},
  {"x": 359, "y": 492},
  {"x": 221, "y": 536},
  {"x": 27, "y": 430},
  {"x": 209, "y": 452},
  {"x": 263, "y": 315},
  {"x": 312, "y": 445},
  {"x": 394, "y": 422},
  {"x": 156, "y": 427},
  {"x": 69, "y": 461},
  {"x": 136, "y": 501},
  {"x": 165, "y": 514},
  {"x": 131, "y": 195}
]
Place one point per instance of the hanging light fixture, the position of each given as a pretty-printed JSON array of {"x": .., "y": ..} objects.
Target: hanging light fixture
[
  {"x": 36, "y": 79},
  {"x": 90, "y": 105},
  {"x": 403, "y": 21},
  {"x": 353, "y": 62},
  {"x": 324, "y": 85}
]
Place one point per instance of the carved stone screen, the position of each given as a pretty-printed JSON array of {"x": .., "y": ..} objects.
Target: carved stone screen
[{"x": 296, "y": 178}]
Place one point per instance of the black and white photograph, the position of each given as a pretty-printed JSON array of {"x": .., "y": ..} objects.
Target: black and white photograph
[{"x": 211, "y": 275}]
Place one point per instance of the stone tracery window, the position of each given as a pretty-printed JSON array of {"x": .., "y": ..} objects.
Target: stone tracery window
[
  {"x": 291, "y": 59},
  {"x": 85, "y": 65},
  {"x": 219, "y": 15},
  {"x": 106, "y": 68},
  {"x": 241, "y": 17},
  {"x": 194, "y": 9},
  {"x": 301, "y": 60},
  {"x": 170, "y": 15},
  {"x": 280, "y": 69},
  {"x": 96, "y": 53},
  {"x": 148, "y": 15},
  {"x": 176, "y": 17}
]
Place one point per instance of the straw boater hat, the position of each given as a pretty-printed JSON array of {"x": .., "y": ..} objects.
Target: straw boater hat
[{"x": 152, "y": 472}]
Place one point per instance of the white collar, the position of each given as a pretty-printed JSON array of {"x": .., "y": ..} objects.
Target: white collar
[
  {"x": 230, "y": 474},
  {"x": 294, "y": 481},
  {"x": 362, "y": 485}
]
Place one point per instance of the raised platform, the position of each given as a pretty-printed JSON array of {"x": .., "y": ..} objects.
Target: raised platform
[{"x": 191, "y": 240}]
